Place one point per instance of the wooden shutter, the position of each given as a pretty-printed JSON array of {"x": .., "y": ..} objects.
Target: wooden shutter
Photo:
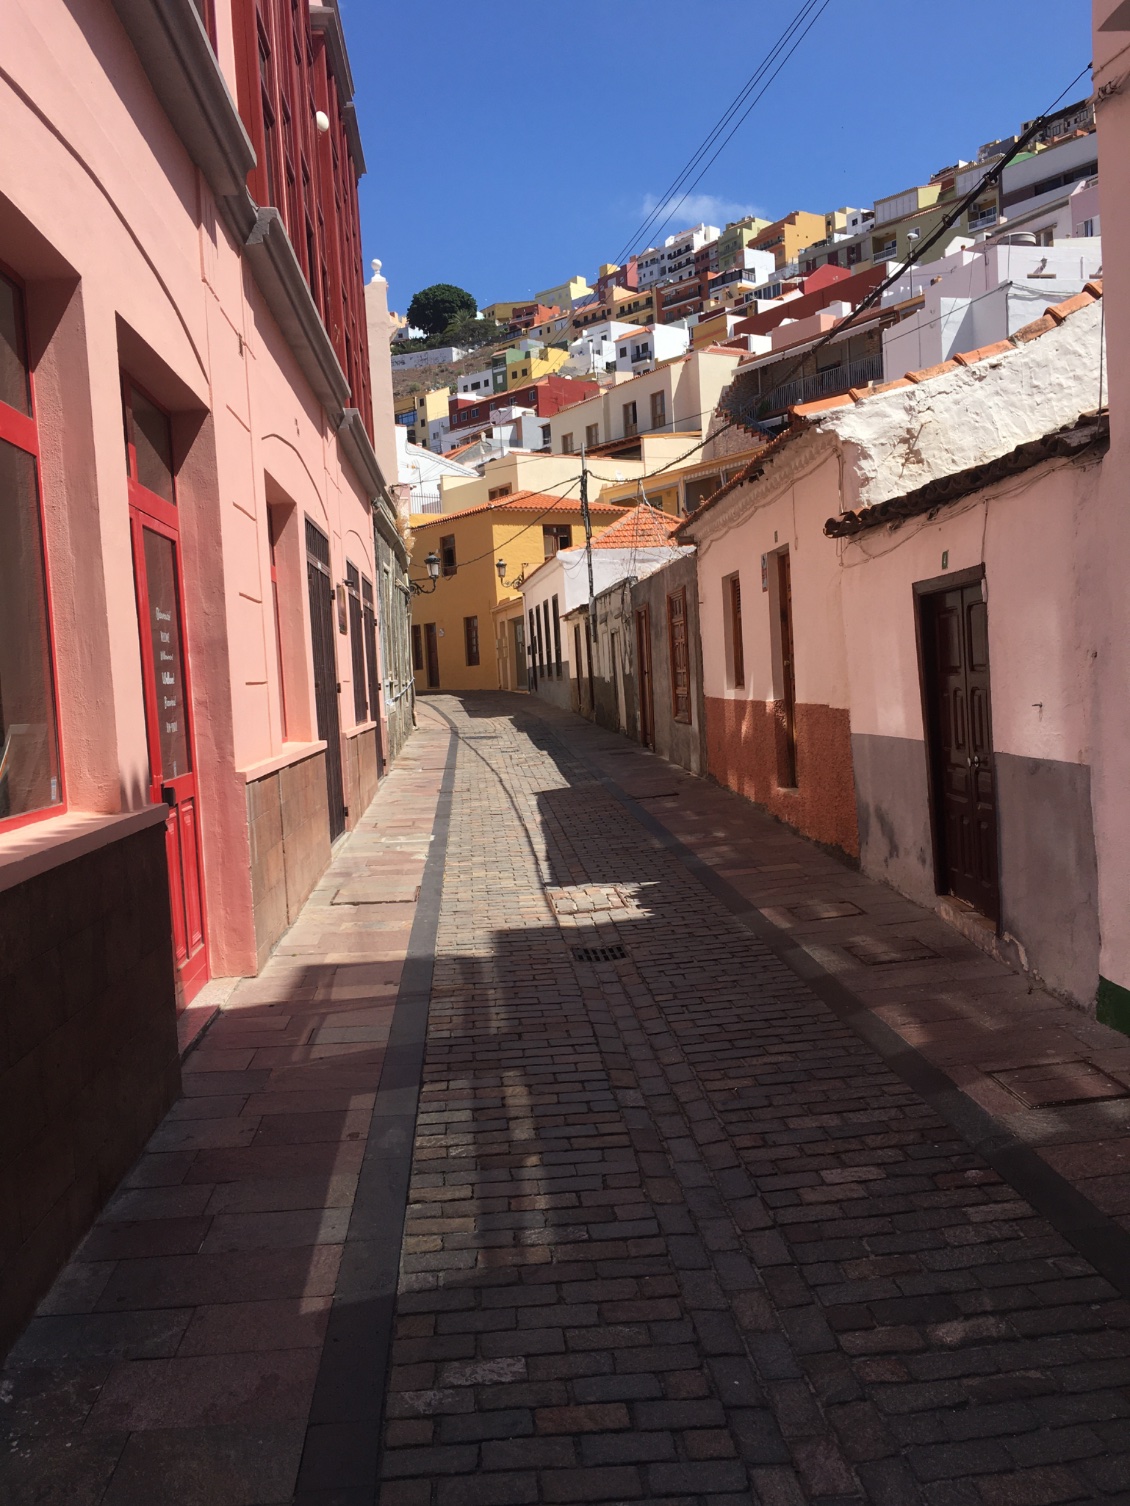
[{"x": 677, "y": 648}]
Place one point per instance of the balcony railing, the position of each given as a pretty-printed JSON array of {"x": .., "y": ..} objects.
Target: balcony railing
[{"x": 821, "y": 384}]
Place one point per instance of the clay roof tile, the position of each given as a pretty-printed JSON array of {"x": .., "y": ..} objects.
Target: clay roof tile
[
  {"x": 931, "y": 371},
  {"x": 983, "y": 352},
  {"x": 1061, "y": 311}
]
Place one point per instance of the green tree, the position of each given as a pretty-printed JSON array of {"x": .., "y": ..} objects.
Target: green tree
[
  {"x": 433, "y": 309},
  {"x": 470, "y": 332}
]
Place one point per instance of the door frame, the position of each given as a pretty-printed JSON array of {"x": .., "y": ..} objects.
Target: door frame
[
  {"x": 937, "y": 585},
  {"x": 148, "y": 510},
  {"x": 645, "y": 676},
  {"x": 431, "y": 654}
]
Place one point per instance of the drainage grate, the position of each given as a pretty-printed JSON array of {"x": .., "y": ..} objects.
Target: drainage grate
[
  {"x": 599, "y": 953},
  {"x": 1058, "y": 1084},
  {"x": 875, "y": 951}
]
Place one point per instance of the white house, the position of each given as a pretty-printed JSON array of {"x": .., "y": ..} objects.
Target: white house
[
  {"x": 633, "y": 547},
  {"x": 675, "y": 257},
  {"x": 418, "y": 473},
  {"x": 980, "y": 294}
]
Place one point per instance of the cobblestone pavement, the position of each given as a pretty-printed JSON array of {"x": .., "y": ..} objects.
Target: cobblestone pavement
[{"x": 676, "y": 1234}]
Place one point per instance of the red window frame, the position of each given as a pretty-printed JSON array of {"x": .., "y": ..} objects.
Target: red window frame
[
  {"x": 283, "y": 77},
  {"x": 21, "y": 430}
]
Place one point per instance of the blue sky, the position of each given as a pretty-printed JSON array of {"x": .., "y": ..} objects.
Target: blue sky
[{"x": 511, "y": 146}]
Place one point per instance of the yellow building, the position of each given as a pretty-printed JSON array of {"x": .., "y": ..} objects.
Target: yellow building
[
  {"x": 564, "y": 295},
  {"x": 514, "y": 367},
  {"x": 429, "y": 406},
  {"x": 626, "y": 304},
  {"x": 502, "y": 313},
  {"x": 787, "y": 237},
  {"x": 453, "y": 626},
  {"x": 736, "y": 238},
  {"x": 683, "y": 488}
]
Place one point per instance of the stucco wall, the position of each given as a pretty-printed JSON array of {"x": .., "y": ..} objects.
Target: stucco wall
[
  {"x": 784, "y": 510},
  {"x": 1106, "y": 545},
  {"x": 128, "y": 266},
  {"x": 679, "y": 742}
]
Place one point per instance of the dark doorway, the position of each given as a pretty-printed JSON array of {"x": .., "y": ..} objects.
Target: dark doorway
[
  {"x": 955, "y": 666},
  {"x": 643, "y": 662},
  {"x": 431, "y": 654},
  {"x": 320, "y": 585},
  {"x": 786, "y": 733}
]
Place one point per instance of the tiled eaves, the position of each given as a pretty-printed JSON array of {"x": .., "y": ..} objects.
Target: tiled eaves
[
  {"x": 1051, "y": 319},
  {"x": 1089, "y": 435}
]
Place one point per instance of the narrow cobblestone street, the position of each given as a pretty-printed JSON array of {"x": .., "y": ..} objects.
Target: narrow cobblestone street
[{"x": 685, "y": 1225}]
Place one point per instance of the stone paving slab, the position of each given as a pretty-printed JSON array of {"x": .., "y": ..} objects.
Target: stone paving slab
[
  {"x": 176, "y": 1360},
  {"x": 676, "y": 1232}
]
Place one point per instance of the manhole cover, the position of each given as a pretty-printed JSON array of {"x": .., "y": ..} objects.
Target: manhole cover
[
  {"x": 599, "y": 953},
  {"x": 876, "y": 950},
  {"x": 376, "y": 892},
  {"x": 823, "y": 909},
  {"x": 1057, "y": 1084}
]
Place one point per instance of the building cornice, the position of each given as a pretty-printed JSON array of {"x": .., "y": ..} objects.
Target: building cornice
[
  {"x": 271, "y": 256},
  {"x": 177, "y": 56},
  {"x": 325, "y": 19}
]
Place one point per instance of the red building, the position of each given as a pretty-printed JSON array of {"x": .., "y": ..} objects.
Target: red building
[
  {"x": 626, "y": 276},
  {"x": 826, "y": 285},
  {"x": 470, "y": 412},
  {"x": 526, "y": 315}
]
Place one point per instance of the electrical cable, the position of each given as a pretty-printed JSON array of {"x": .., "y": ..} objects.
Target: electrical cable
[
  {"x": 673, "y": 188},
  {"x": 744, "y": 116}
]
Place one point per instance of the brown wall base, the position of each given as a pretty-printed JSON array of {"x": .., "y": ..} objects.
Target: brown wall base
[
  {"x": 88, "y": 1051},
  {"x": 742, "y": 752},
  {"x": 288, "y": 819},
  {"x": 360, "y": 774}
]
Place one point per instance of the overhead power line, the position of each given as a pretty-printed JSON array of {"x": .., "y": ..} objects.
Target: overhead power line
[{"x": 647, "y": 228}]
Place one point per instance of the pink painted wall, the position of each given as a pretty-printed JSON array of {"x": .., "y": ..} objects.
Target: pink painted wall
[
  {"x": 1111, "y": 60},
  {"x": 107, "y": 219},
  {"x": 785, "y": 509}
]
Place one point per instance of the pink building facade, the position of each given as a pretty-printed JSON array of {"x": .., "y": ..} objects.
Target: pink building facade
[{"x": 192, "y": 517}]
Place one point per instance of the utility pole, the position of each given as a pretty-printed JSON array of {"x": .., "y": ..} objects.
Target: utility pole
[{"x": 585, "y": 514}]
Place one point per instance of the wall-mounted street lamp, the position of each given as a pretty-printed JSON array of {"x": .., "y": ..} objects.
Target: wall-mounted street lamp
[
  {"x": 500, "y": 566},
  {"x": 431, "y": 564}
]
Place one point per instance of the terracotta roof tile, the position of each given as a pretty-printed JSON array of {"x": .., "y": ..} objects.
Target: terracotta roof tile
[
  {"x": 890, "y": 386},
  {"x": 983, "y": 352},
  {"x": 518, "y": 502},
  {"x": 927, "y": 372},
  {"x": 1034, "y": 330},
  {"x": 1061, "y": 311},
  {"x": 645, "y": 527},
  {"x": 823, "y": 404}
]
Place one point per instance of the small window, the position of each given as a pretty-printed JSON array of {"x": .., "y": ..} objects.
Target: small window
[
  {"x": 447, "y": 554},
  {"x": 356, "y": 643},
  {"x": 471, "y": 639},
  {"x": 556, "y": 536},
  {"x": 556, "y": 638},
  {"x": 499, "y": 491},
  {"x": 658, "y": 409},
  {"x": 417, "y": 646},
  {"x": 735, "y": 640},
  {"x": 629, "y": 419},
  {"x": 592, "y": 435},
  {"x": 30, "y": 775},
  {"x": 566, "y": 444}
]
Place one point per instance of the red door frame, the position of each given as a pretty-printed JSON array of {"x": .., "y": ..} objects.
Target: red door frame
[
  {"x": 148, "y": 510},
  {"x": 21, "y": 431}
]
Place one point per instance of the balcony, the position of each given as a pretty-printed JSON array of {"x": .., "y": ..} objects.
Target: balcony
[
  {"x": 807, "y": 389},
  {"x": 984, "y": 219}
]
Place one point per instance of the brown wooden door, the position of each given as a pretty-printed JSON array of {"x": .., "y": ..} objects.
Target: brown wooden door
[
  {"x": 643, "y": 669},
  {"x": 319, "y": 586},
  {"x": 786, "y": 774},
  {"x": 431, "y": 654},
  {"x": 955, "y": 642}
]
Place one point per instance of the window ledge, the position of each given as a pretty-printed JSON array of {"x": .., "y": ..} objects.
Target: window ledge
[
  {"x": 291, "y": 753},
  {"x": 360, "y": 728},
  {"x": 30, "y": 850}
]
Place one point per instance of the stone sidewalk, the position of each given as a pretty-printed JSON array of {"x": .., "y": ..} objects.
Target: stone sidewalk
[{"x": 179, "y": 1358}]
